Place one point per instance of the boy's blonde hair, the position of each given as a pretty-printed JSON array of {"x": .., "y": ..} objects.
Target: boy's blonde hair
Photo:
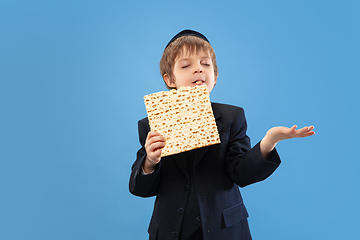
[{"x": 190, "y": 44}]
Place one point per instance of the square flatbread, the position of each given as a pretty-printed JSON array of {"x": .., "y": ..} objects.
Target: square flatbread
[{"x": 184, "y": 117}]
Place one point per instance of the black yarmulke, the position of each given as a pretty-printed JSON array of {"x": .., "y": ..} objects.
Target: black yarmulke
[{"x": 187, "y": 32}]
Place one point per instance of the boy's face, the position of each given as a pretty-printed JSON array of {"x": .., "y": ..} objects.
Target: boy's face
[{"x": 192, "y": 70}]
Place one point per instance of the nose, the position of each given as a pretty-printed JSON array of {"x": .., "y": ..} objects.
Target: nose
[{"x": 198, "y": 69}]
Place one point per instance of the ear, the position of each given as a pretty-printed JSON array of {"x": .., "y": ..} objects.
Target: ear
[{"x": 168, "y": 81}]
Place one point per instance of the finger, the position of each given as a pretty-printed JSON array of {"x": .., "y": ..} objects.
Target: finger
[
  {"x": 148, "y": 137},
  {"x": 310, "y": 128},
  {"x": 296, "y": 133},
  {"x": 291, "y": 130},
  {"x": 306, "y": 133},
  {"x": 155, "y": 146},
  {"x": 153, "y": 134},
  {"x": 153, "y": 137},
  {"x": 156, "y": 139},
  {"x": 309, "y": 134},
  {"x": 155, "y": 156},
  {"x": 303, "y": 130}
]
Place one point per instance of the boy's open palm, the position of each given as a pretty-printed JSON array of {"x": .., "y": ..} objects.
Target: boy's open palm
[
  {"x": 276, "y": 134},
  {"x": 282, "y": 133}
]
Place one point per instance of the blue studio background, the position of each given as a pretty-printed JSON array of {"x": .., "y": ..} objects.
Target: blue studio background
[{"x": 73, "y": 75}]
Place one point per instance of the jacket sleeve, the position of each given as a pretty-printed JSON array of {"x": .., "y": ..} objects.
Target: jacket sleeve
[
  {"x": 139, "y": 184},
  {"x": 246, "y": 165}
]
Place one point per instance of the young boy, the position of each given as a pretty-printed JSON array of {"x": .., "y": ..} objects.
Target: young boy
[{"x": 197, "y": 192}]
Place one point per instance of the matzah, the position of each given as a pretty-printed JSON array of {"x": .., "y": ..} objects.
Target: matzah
[{"x": 184, "y": 117}]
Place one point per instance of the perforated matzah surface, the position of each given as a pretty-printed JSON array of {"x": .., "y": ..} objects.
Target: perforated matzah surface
[{"x": 184, "y": 117}]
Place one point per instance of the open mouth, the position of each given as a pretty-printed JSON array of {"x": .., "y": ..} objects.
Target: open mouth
[{"x": 199, "y": 81}]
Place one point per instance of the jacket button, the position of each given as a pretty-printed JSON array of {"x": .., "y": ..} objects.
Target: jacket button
[
  {"x": 198, "y": 218},
  {"x": 175, "y": 234},
  {"x": 181, "y": 210},
  {"x": 186, "y": 187}
]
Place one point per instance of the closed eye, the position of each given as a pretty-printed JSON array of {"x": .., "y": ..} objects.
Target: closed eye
[{"x": 206, "y": 63}]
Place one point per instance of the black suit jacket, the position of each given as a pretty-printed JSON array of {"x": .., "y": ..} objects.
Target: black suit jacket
[{"x": 219, "y": 170}]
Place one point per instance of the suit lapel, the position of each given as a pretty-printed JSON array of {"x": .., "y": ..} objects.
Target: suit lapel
[{"x": 180, "y": 160}]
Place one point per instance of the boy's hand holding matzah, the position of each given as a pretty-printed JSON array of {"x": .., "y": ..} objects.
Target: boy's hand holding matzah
[{"x": 184, "y": 117}]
